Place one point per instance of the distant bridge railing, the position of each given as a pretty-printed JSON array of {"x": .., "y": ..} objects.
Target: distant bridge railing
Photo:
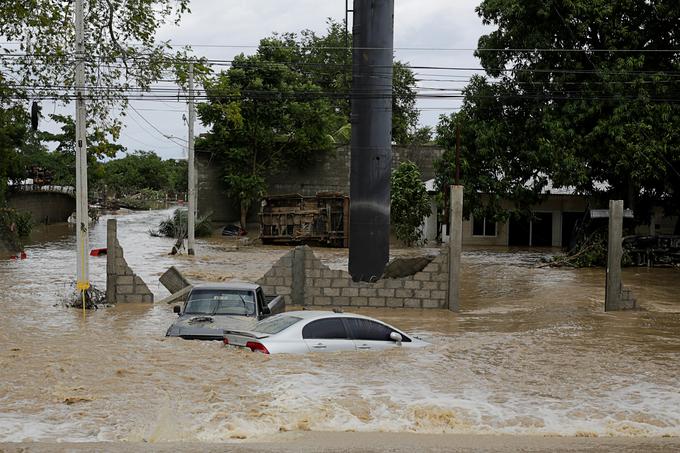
[{"x": 68, "y": 190}]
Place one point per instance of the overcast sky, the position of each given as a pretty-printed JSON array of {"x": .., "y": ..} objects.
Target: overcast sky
[{"x": 418, "y": 23}]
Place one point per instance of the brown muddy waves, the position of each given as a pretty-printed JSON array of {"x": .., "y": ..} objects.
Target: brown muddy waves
[{"x": 531, "y": 353}]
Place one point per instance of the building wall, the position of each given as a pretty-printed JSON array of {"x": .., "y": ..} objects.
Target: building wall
[
  {"x": 45, "y": 207},
  {"x": 555, "y": 204},
  {"x": 327, "y": 173}
]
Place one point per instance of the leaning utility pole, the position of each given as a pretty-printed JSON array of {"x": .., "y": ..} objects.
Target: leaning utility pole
[
  {"x": 82, "y": 217},
  {"x": 371, "y": 161},
  {"x": 191, "y": 215}
]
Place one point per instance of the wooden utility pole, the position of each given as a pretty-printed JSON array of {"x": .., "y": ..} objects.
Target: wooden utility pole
[
  {"x": 191, "y": 215},
  {"x": 82, "y": 217}
]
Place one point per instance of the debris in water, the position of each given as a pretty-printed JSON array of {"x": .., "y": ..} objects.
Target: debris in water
[{"x": 94, "y": 298}]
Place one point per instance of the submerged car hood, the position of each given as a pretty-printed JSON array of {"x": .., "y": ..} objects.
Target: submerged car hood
[{"x": 208, "y": 327}]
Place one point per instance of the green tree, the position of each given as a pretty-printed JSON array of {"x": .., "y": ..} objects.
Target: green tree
[
  {"x": 264, "y": 115},
  {"x": 144, "y": 170},
  {"x": 593, "y": 109},
  {"x": 328, "y": 62},
  {"x": 409, "y": 203},
  {"x": 62, "y": 161},
  {"x": 13, "y": 132}
]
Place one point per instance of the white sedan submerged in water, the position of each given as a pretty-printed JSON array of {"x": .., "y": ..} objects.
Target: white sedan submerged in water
[{"x": 322, "y": 331}]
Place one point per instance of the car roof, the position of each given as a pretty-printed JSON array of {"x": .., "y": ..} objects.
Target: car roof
[
  {"x": 227, "y": 285},
  {"x": 313, "y": 314}
]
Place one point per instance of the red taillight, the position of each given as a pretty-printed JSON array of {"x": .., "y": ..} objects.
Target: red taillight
[
  {"x": 255, "y": 346},
  {"x": 225, "y": 340}
]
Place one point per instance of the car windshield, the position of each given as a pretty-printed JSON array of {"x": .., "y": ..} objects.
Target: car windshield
[
  {"x": 275, "y": 324},
  {"x": 221, "y": 302}
]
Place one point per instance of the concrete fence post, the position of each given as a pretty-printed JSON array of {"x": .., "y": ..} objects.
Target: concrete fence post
[
  {"x": 613, "y": 287},
  {"x": 455, "y": 246},
  {"x": 299, "y": 276},
  {"x": 111, "y": 249}
]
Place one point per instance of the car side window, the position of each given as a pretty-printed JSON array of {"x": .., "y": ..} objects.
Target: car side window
[
  {"x": 329, "y": 329},
  {"x": 364, "y": 329}
]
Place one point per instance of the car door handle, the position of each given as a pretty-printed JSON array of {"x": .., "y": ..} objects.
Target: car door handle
[
  {"x": 319, "y": 346},
  {"x": 363, "y": 346}
]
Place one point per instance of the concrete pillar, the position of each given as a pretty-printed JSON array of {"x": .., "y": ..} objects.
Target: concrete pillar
[
  {"x": 455, "y": 246},
  {"x": 111, "y": 252},
  {"x": 299, "y": 275},
  {"x": 614, "y": 252}
]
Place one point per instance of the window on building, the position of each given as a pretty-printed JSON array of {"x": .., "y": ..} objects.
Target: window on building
[{"x": 483, "y": 227}]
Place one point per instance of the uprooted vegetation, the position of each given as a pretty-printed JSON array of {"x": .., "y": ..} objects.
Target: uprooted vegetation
[{"x": 176, "y": 226}]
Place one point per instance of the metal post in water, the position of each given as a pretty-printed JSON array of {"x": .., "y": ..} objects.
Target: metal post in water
[
  {"x": 612, "y": 298},
  {"x": 455, "y": 246},
  {"x": 191, "y": 215},
  {"x": 82, "y": 218},
  {"x": 371, "y": 160}
]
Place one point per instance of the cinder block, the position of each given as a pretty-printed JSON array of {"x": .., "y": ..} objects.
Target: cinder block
[
  {"x": 433, "y": 303},
  {"x": 368, "y": 292},
  {"x": 376, "y": 301},
  {"x": 322, "y": 282},
  {"x": 359, "y": 301},
  {"x": 283, "y": 290},
  {"x": 139, "y": 281},
  {"x": 440, "y": 277},
  {"x": 413, "y": 303},
  {"x": 313, "y": 273},
  {"x": 312, "y": 291},
  {"x": 341, "y": 301},
  {"x": 327, "y": 273},
  {"x": 124, "y": 289},
  {"x": 340, "y": 283},
  {"x": 351, "y": 292},
  {"x": 134, "y": 298},
  {"x": 334, "y": 292},
  {"x": 322, "y": 300},
  {"x": 404, "y": 293},
  {"x": 412, "y": 284},
  {"x": 422, "y": 294},
  {"x": 395, "y": 303},
  {"x": 386, "y": 292},
  {"x": 443, "y": 286},
  {"x": 432, "y": 267},
  {"x": 430, "y": 285},
  {"x": 147, "y": 299},
  {"x": 423, "y": 276},
  {"x": 394, "y": 283},
  {"x": 125, "y": 280},
  {"x": 438, "y": 294}
]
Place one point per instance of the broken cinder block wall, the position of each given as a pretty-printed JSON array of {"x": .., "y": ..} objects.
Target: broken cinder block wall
[
  {"x": 302, "y": 279},
  {"x": 122, "y": 285}
]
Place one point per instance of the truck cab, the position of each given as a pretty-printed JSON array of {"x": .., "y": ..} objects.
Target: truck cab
[{"x": 211, "y": 308}]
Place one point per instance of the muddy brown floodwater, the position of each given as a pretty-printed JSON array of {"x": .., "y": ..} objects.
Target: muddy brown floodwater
[{"x": 531, "y": 353}]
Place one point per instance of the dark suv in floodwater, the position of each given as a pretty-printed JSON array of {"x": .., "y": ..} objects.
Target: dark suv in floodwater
[{"x": 212, "y": 308}]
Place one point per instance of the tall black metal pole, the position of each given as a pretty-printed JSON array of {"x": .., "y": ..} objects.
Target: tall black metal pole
[{"x": 371, "y": 163}]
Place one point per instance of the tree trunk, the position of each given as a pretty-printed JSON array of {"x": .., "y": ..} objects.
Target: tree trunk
[{"x": 244, "y": 213}]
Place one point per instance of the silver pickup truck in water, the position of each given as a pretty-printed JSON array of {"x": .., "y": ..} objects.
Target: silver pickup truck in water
[{"x": 211, "y": 309}]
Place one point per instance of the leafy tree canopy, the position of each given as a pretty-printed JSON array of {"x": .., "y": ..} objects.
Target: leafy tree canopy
[
  {"x": 569, "y": 96},
  {"x": 409, "y": 203}
]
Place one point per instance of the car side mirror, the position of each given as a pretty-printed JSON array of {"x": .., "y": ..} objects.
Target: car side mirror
[
  {"x": 177, "y": 309},
  {"x": 266, "y": 311},
  {"x": 396, "y": 337}
]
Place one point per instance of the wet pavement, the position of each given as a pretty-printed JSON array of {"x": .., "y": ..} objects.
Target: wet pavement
[{"x": 531, "y": 353}]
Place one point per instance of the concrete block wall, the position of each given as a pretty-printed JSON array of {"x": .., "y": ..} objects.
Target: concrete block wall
[
  {"x": 326, "y": 172},
  {"x": 325, "y": 287},
  {"x": 122, "y": 285}
]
